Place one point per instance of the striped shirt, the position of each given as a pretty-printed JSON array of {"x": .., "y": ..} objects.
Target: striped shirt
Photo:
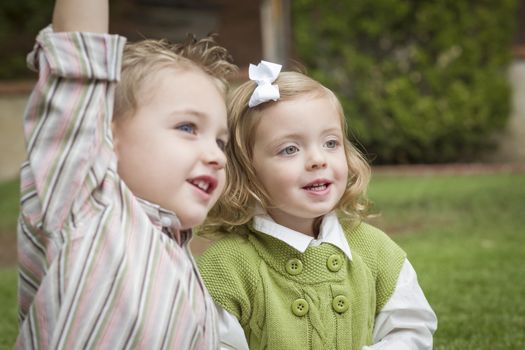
[{"x": 98, "y": 267}]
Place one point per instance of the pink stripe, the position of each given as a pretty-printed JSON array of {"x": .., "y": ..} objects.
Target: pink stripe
[
  {"x": 121, "y": 302},
  {"x": 73, "y": 53},
  {"x": 182, "y": 316},
  {"x": 52, "y": 149},
  {"x": 31, "y": 267},
  {"x": 157, "y": 305}
]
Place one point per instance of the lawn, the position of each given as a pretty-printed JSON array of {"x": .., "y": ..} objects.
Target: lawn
[
  {"x": 8, "y": 215},
  {"x": 464, "y": 234}
]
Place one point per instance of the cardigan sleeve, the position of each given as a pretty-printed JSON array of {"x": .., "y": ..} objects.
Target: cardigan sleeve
[
  {"x": 231, "y": 334},
  {"x": 230, "y": 273},
  {"x": 381, "y": 254},
  {"x": 407, "y": 321},
  {"x": 390, "y": 258}
]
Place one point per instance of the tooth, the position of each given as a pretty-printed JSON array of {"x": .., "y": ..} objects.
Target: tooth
[
  {"x": 318, "y": 187},
  {"x": 203, "y": 185}
]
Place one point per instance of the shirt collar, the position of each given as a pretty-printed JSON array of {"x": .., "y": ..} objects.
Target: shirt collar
[
  {"x": 166, "y": 220},
  {"x": 159, "y": 216},
  {"x": 330, "y": 232}
]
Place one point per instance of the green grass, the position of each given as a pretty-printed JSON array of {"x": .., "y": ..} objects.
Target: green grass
[
  {"x": 465, "y": 235},
  {"x": 8, "y": 308},
  {"x": 9, "y": 192}
]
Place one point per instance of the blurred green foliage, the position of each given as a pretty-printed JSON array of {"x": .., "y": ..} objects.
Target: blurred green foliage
[
  {"x": 20, "y": 22},
  {"x": 420, "y": 81}
]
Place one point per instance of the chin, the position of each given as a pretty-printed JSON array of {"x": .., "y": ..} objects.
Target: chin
[
  {"x": 191, "y": 221},
  {"x": 318, "y": 213}
]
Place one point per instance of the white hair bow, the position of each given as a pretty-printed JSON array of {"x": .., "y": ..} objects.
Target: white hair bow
[{"x": 264, "y": 74}]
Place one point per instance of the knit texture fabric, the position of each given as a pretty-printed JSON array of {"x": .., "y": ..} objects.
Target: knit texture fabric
[{"x": 315, "y": 306}]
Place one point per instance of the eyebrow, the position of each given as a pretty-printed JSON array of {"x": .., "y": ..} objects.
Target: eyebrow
[
  {"x": 335, "y": 129},
  {"x": 188, "y": 111},
  {"x": 292, "y": 135}
]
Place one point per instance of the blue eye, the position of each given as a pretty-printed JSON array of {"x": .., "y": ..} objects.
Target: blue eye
[
  {"x": 190, "y": 128},
  {"x": 221, "y": 144},
  {"x": 331, "y": 144},
  {"x": 289, "y": 150}
]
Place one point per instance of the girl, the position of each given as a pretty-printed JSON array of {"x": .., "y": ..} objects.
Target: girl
[{"x": 297, "y": 267}]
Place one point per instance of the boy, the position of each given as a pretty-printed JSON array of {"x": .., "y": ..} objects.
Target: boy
[{"x": 109, "y": 197}]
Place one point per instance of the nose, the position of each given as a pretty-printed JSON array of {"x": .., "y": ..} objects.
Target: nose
[
  {"x": 316, "y": 160},
  {"x": 214, "y": 156}
]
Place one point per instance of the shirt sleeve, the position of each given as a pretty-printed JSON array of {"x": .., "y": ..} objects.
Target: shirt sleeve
[
  {"x": 231, "y": 334},
  {"x": 406, "y": 321},
  {"x": 67, "y": 122}
]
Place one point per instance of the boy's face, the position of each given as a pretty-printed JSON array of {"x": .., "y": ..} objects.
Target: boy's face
[
  {"x": 300, "y": 160},
  {"x": 170, "y": 151}
]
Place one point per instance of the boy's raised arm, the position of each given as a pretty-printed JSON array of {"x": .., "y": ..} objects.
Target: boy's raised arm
[{"x": 81, "y": 16}]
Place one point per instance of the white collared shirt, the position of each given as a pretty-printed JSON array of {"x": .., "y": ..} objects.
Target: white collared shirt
[{"x": 405, "y": 322}]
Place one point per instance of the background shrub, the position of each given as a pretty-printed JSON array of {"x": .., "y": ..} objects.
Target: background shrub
[
  {"x": 20, "y": 21},
  {"x": 420, "y": 81}
]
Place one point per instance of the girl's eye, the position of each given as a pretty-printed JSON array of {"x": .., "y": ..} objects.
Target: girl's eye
[
  {"x": 331, "y": 144},
  {"x": 190, "y": 128},
  {"x": 221, "y": 144},
  {"x": 289, "y": 150}
]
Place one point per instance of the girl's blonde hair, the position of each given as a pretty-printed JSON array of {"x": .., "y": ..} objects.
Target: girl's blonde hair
[
  {"x": 243, "y": 190},
  {"x": 141, "y": 60}
]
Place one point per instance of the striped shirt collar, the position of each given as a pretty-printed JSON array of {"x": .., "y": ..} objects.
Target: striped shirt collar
[
  {"x": 330, "y": 232},
  {"x": 166, "y": 220}
]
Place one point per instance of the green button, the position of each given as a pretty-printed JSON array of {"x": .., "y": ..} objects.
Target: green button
[
  {"x": 340, "y": 304},
  {"x": 300, "y": 307},
  {"x": 334, "y": 263},
  {"x": 294, "y": 267}
]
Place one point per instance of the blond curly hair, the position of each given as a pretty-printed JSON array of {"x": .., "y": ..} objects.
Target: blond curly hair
[
  {"x": 144, "y": 58},
  {"x": 243, "y": 190}
]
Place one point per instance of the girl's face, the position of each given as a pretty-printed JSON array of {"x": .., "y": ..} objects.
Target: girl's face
[{"x": 299, "y": 158}]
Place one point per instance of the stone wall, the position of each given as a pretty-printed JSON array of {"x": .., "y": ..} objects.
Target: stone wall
[{"x": 512, "y": 143}]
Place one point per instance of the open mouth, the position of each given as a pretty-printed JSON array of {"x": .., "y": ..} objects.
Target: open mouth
[
  {"x": 317, "y": 186},
  {"x": 204, "y": 183}
]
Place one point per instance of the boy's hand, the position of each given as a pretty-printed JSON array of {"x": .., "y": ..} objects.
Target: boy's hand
[{"x": 81, "y": 16}]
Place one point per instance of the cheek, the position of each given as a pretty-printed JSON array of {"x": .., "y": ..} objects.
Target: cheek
[
  {"x": 265, "y": 179},
  {"x": 276, "y": 182},
  {"x": 276, "y": 176},
  {"x": 342, "y": 169},
  {"x": 221, "y": 183}
]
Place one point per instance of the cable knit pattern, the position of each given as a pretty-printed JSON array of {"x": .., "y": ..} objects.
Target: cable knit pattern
[{"x": 316, "y": 307}]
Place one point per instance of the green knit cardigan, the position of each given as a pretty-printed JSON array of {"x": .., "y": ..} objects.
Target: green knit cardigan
[{"x": 289, "y": 300}]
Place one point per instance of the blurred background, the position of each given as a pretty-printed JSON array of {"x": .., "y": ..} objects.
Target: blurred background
[
  {"x": 422, "y": 82},
  {"x": 434, "y": 92}
]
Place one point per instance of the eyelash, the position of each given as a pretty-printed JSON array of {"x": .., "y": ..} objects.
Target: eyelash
[
  {"x": 221, "y": 144},
  {"x": 182, "y": 127},
  {"x": 335, "y": 143},
  {"x": 191, "y": 128},
  {"x": 285, "y": 153},
  {"x": 330, "y": 144}
]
